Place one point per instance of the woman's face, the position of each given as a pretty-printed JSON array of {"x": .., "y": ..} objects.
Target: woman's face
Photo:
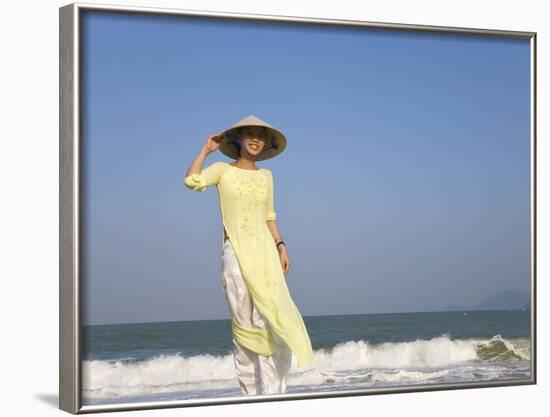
[{"x": 253, "y": 139}]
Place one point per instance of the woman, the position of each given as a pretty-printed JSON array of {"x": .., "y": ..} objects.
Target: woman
[{"x": 266, "y": 324}]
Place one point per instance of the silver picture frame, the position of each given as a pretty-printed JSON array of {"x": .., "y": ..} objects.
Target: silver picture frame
[{"x": 70, "y": 203}]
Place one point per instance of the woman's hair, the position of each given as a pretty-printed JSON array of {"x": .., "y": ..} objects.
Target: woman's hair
[{"x": 239, "y": 131}]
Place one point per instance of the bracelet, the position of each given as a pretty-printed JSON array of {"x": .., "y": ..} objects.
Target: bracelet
[{"x": 280, "y": 243}]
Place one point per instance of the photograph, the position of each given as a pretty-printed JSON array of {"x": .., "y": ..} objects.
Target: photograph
[{"x": 278, "y": 208}]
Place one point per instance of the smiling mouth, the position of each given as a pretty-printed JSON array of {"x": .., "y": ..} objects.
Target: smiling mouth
[{"x": 254, "y": 147}]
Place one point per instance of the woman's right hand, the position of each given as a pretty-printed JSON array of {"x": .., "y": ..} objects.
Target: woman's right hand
[{"x": 212, "y": 142}]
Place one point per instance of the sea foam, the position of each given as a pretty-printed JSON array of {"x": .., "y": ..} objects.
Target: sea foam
[{"x": 419, "y": 360}]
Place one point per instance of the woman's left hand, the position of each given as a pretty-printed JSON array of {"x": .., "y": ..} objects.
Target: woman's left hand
[{"x": 283, "y": 255}]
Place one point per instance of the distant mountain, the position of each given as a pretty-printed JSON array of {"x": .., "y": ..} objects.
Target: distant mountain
[{"x": 505, "y": 300}]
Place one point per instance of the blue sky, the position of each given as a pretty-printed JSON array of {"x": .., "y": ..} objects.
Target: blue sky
[{"x": 405, "y": 185}]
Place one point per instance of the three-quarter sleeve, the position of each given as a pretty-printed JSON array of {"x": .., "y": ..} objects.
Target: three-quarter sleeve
[
  {"x": 208, "y": 176},
  {"x": 270, "y": 212}
]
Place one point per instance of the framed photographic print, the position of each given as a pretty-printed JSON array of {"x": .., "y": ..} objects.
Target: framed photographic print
[{"x": 265, "y": 208}]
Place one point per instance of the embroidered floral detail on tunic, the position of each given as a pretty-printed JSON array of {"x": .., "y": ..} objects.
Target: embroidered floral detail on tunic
[
  {"x": 270, "y": 283},
  {"x": 253, "y": 192}
]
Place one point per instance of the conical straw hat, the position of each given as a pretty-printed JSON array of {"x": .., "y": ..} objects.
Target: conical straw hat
[{"x": 229, "y": 143}]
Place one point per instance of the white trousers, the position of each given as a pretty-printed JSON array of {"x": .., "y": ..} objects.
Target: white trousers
[{"x": 256, "y": 373}]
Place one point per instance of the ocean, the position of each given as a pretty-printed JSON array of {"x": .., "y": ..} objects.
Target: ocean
[{"x": 178, "y": 360}]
